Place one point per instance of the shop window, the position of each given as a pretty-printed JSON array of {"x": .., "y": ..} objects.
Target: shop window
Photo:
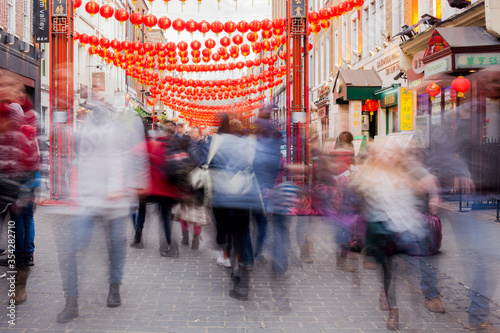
[
  {"x": 492, "y": 119},
  {"x": 392, "y": 121}
]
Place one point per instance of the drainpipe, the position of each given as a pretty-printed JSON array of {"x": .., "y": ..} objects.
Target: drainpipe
[{"x": 492, "y": 12}]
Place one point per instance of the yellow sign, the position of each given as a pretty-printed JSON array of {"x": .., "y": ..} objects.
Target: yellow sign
[{"x": 406, "y": 106}]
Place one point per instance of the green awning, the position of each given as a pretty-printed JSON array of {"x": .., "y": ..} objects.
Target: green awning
[{"x": 356, "y": 85}]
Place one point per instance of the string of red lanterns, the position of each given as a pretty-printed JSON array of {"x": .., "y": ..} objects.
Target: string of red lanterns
[{"x": 317, "y": 20}]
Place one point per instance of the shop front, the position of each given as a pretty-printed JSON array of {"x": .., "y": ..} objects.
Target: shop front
[
  {"x": 351, "y": 92},
  {"x": 460, "y": 66}
]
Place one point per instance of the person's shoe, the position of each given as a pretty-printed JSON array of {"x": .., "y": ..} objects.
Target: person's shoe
[
  {"x": 21, "y": 280},
  {"x": 435, "y": 305},
  {"x": 343, "y": 265},
  {"x": 234, "y": 294},
  {"x": 393, "y": 321},
  {"x": 30, "y": 261},
  {"x": 369, "y": 264},
  {"x": 305, "y": 254},
  {"x": 486, "y": 327},
  {"x": 3, "y": 252},
  {"x": 4, "y": 262},
  {"x": 261, "y": 259},
  {"x": 173, "y": 252},
  {"x": 114, "y": 299},
  {"x": 195, "y": 244},
  {"x": 246, "y": 265},
  {"x": 383, "y": 303},
  {"x": 70, "y": 311},
  {"x": 282, "y": 276},
  {"x": 137, "y": 243},
  {"x": 224, "y": 262},
  {"x": 185, "y": 238}
]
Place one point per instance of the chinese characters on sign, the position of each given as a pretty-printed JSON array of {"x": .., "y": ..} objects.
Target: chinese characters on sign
[
  {"x": 355, "y": 117},
  {"x": 298, "y": 9},
  {"x": 60, "y": 8},
  {"x": 406, "y": 114},
  {"x": 474, "y": 60},
  {"x": 41, "y": 19}
]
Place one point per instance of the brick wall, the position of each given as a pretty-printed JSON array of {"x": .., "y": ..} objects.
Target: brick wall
[
  {"x": 19, "y": 18},
  {"x": 3, "y": 14}
]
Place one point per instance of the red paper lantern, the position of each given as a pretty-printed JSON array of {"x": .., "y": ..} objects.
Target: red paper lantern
[
  {"x": 252, "y": 37},
  {"x": 121, "y": 15},
  {"x": 460, "y": 85},
  {"x": 179, "y": 25},
  {"x": 164, "y": 23},
  {"x": 225, "y": 41},
  {"x": 229, "y": 27},
  {"x": 217, "y": 27},
  {"x": 195, "y": 45},
  {"x": 115, "y": 44},
  {"x": 238, "y": 39},
  {"x": 371, "y": 105},
  {"x": 93, "y": 40},
  {"x": 76, "y": 36},
  {"x": 316, "y": 28},
  {"x": 266, "y": 24},
  {"x": 106, "y": 11},
  {"x": 433, "y": 90},
  {"x": 242, "y": 27},
  {"x": 150, "y": 21},
  {"x": 255, "y": 25},
  {"x": 104, "y": 42},
  {"x": 210, "y": 43},
  {"x": 77, "y": 4},
  {"x": 136, "y": 19},
  {"x": 266, "y": 34},
  {"x": 203, "y": 27},
  {"x": 312, "y": 17},
  {"x": 191, "y": 26},
  {"x": 92, "y": 8},
  {"x": 126, "y": 45}
]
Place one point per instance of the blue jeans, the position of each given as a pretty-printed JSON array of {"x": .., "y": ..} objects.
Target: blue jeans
[
  {"x": 261, "y": 223},
  {"x": 115, "y": 230},
  {"x": 281, "y": 243},
  {"x": 25, "y": 227}
]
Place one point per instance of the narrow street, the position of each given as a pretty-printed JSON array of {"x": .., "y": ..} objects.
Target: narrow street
[{"x": 190, "y": 293}]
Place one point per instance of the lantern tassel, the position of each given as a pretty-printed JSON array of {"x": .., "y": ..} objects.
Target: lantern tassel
[{"x": 460, "y": 94}]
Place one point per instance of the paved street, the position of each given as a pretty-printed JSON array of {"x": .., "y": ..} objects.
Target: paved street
[{"x": 190, "y": 293}]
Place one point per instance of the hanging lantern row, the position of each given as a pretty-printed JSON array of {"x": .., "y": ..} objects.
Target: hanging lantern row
[
  {"x": 459, "y": 85},
  {"x": 214, "y": 93},
  {"x": 152, "y": 77},
  {"x": 125, "y": 61},
  {"x": 317, "y": 19},
  {"x": 195, "y": 45},
  {"x": 157, "y": 59}
]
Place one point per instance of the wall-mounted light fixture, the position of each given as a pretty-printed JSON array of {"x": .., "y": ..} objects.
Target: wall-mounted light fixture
[
  {"x": 371, "y": 53},
  {"x": 40, "y": 54},
  {"x": 24, "y": 47},
  {"x": 9, "y": 39}
]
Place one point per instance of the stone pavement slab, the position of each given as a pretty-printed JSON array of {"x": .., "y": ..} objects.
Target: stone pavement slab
[{"x": 190, "y": 293}]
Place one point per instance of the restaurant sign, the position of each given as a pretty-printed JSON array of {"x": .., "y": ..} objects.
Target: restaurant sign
[
  {"x": 437, "y": 67},
  {"x": 475, "y": 60}
]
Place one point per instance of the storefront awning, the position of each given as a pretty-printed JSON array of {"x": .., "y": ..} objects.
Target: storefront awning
[
  {"x": 460, "y": 49},
  {"x": 356, "y": 85}
]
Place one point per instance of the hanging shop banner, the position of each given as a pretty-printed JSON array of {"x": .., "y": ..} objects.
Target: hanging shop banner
[
  {"x": 406, "y": 106},
  {"x": 41, "y": 19},
  {"x": 60, "y": 8},
  {"x": 355, "y": 117},
  {"x": 298, "y": 8}
]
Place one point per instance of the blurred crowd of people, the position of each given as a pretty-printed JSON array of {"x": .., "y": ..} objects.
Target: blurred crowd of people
[{"x": 379, "y": 202}]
